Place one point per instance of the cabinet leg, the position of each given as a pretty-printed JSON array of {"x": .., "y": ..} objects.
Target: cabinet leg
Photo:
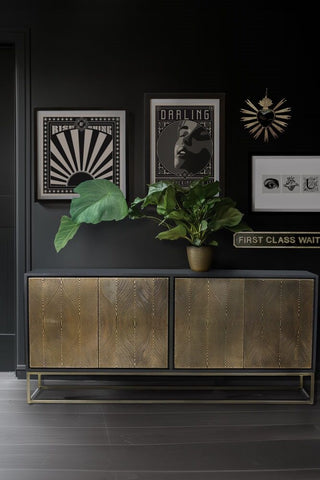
[
  {"x": 312, "y": 388},
  {"x": 28, "y": 388},
  {"x": 301, "y": 381}
]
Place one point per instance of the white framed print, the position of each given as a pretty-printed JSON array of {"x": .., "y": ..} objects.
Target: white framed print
[
  {"x": 286, "y": 183},
  {"x": 78, "y": 145}
]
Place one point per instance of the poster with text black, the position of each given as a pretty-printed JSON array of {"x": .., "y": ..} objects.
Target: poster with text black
[
  {"x": 78, "y": 145},
  {"x": 185, "y": 137}
]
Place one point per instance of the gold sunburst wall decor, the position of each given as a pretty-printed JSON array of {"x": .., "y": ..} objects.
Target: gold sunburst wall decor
[{"x": 266, "y": 120}]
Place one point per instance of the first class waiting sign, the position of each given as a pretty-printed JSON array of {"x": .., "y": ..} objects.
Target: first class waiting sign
[{"x": 276, "y": 240}]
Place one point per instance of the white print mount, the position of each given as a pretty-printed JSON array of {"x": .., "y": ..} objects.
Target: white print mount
[{"x": 286, "y": 183}]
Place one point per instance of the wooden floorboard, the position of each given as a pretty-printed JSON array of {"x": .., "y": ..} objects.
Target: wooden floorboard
[
  {"x": 299, "y": 454},
  {"x": 155, "y": 442},
  {"x": 58, "y": 474},
  {"x": 35, "y": 435},
  {"x": 210, "y": 435}
]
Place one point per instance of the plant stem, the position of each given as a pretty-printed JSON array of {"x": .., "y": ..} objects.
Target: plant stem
[{"x": 157, "y": 220}]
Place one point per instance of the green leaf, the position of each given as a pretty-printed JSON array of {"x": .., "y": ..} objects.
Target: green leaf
[
  {"x": 100, "y": 200},
  {"x": 177, "y": 215},
  {"x": 158, "y": 187},
  {"x": 155, "y": 192},
  {"x": 211, "y": 189},
  {"x": 214, "y": 243},
  {"x": 203, "y": 225},
  {"x": 167, "y": 201},
  {"x": 67, "y": 230},
  {"x": 226, "y": 216},
  {"x": 173, "y": 234},
  {"x": 135, "y": 211},
  {"x": 197, "y": 242},
  {"x": 137, "y": 201}
]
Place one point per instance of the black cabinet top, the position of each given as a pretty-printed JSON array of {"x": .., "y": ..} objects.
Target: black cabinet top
[{"x": 141, "y": 272}]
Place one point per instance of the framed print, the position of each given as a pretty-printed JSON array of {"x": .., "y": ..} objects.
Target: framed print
[
  {"x": 184, "y": 136},
  {"x": 285, "y": 183},
  {"x": 78, "y": 145}
]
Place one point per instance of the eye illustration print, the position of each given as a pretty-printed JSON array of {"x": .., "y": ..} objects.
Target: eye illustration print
[
  {"x": 266, "y": 120},
  {"x": 271, "y": 183}
]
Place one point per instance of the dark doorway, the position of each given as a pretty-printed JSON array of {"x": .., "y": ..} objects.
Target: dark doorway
[{"x": 7, "y": 207}]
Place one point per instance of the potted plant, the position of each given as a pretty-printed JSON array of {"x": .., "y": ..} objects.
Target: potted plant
[
  {"x": 99, "y": 200},
  {"x": 194, "y": 213}
]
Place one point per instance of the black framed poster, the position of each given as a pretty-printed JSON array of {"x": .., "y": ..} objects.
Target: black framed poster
[
  {"x": 78, "y": 145},
  {"x": 184, "y": 137}
]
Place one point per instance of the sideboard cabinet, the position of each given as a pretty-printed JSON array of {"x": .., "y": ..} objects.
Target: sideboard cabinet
[{"x": 173, "y": 323}]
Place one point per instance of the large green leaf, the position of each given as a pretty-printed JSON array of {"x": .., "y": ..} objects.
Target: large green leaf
[
  {"x": 67, "y": 230},
  {"x": 173, "y": 234},
  {"x": 226, "y": 216},
  {"x": 100, "y": 200}
]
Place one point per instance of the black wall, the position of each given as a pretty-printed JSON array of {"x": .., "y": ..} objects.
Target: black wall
[
  {"x": 7, "y": 201},
  {"x": 108, "y": 53}
]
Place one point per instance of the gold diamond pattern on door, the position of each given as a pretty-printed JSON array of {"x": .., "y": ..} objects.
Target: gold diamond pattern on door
[
  {"x": 278, "y": 323},
  {"x": 133, "y": 330},
  {"x": 209, "y": 323},
  {"x": 63, "y": 322}
]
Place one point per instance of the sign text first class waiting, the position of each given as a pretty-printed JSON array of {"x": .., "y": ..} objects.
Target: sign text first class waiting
[{"x": 276, "y": 240}]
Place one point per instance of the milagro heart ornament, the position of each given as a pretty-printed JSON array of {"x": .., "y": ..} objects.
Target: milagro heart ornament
[{"x": 265, "y": 120}]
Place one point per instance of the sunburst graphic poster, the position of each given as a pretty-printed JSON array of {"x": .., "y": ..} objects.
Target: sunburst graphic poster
[{"x": 78, "y": 145}]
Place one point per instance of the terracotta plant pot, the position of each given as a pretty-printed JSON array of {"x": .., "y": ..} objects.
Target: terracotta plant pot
[{"x": 200, "y": 258}]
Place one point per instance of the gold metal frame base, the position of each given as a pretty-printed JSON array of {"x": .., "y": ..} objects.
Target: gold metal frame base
[{"x": 33, "y": 397}]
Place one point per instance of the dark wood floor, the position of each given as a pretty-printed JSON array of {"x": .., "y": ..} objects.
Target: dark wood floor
[{"x": 155, "y": 442}]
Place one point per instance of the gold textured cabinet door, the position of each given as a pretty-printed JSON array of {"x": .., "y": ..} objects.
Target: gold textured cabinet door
[
  {"x": 278, "y": 323},
  {"x": 209, "y": 322},
  {"x": 63, "y": 322},
  {"x": 133, "y": 329}
]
